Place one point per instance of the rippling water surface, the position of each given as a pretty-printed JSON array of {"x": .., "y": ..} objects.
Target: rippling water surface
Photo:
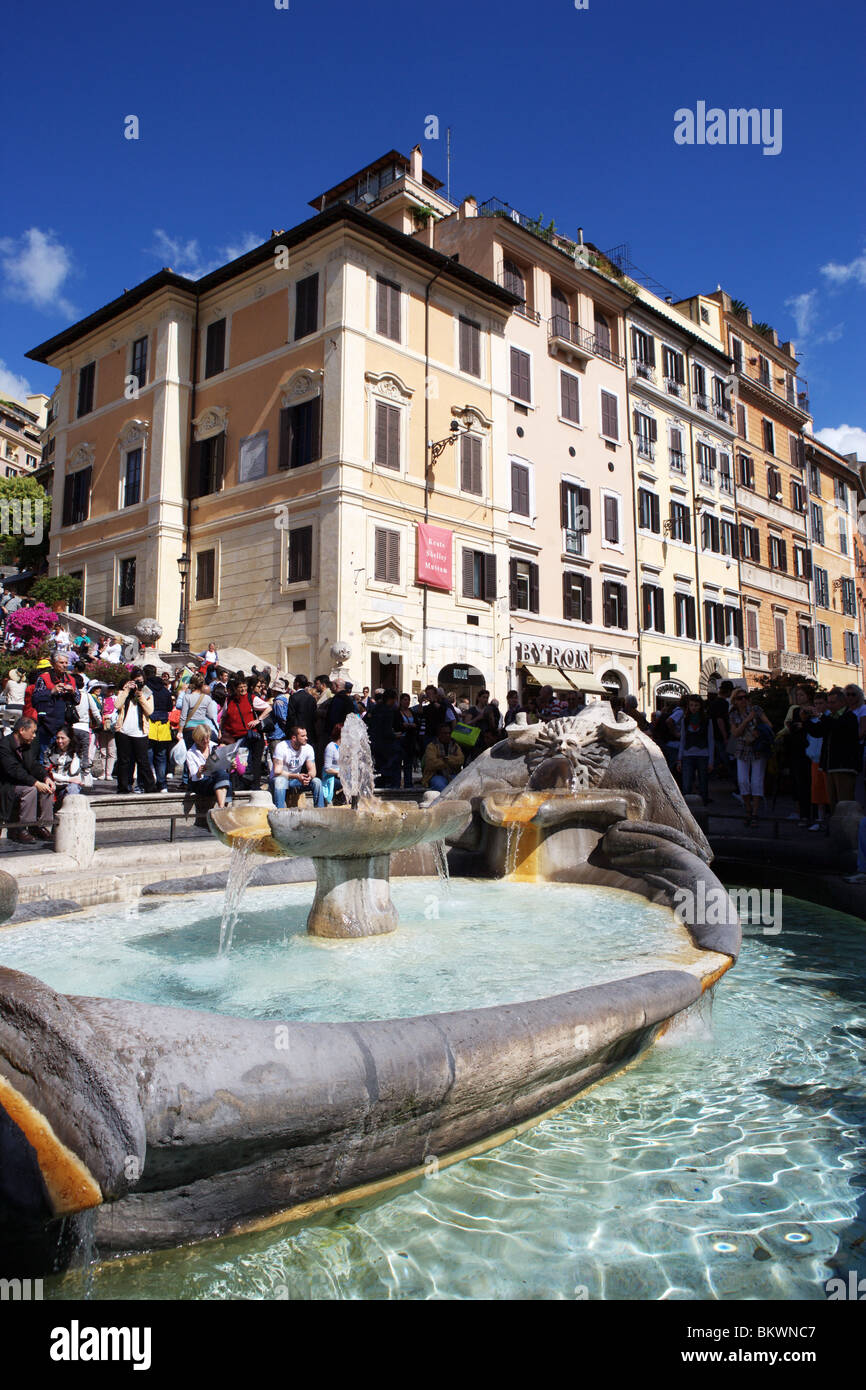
[{"x": 719, "y": 1166}]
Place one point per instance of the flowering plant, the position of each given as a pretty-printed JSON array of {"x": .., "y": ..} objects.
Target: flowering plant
[{"x": 29, "y": 624}]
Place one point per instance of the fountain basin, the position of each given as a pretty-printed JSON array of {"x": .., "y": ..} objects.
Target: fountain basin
[{"x": 351, "y": 852}]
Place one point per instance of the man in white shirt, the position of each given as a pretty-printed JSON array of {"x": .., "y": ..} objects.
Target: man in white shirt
[{"x": 295, "y": 769}]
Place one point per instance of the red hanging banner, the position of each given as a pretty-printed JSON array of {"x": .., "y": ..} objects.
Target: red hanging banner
[{"x": 434, "y": 556}]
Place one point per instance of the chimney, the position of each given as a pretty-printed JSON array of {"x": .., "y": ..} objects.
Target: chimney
[
  {"x": 416, "y": 164},
  {"x": 468, "y": 208}
]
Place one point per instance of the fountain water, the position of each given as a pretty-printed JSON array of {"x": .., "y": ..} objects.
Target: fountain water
[
  {"x": 356, "y": 761},
  {"x": 241, "y": 869}
]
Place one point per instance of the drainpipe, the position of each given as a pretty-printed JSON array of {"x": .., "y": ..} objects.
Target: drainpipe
[
  {"x": 427, "y": 469},
  {"x": 187, "y": 489},
  {"x": 698, "y": 594},
  {"x": 628, "y": 425}
]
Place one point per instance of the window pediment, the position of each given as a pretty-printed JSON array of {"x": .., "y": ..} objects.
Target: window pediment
[
  {"x": 301, "y": 386},
  {"x": 212, "y": 421},
  {"x": 390, "y": 385}
]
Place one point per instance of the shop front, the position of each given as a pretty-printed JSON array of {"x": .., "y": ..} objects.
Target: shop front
[{"x": 566, "y": 667}]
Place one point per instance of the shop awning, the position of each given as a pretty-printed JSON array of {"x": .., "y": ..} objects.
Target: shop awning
[{"x": 565, "y": 680}]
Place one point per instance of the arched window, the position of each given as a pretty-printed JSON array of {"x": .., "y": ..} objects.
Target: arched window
[
  {"x": 561, "y": 321},
  {"x": 514, "y": 281}
]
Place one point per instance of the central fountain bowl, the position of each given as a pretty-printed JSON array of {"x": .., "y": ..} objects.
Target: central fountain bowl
[{"x": 351, "y": 851}]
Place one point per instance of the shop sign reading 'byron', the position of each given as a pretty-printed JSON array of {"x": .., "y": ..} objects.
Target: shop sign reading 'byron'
[
  {"x": 434, "y": 556},
  {"x": 567, "y": 656}
]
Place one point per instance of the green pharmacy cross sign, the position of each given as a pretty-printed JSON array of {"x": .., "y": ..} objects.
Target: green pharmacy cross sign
[{"x": 664, "y": 668}]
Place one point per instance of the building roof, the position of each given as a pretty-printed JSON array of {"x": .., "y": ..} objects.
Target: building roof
[
  {"x": 338, "y": 212},
  {"x": 345, "y": 185}
]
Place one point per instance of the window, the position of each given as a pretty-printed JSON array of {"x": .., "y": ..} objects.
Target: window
[
  {"x": 523, "y": 575},
  {"x": 301, "y": 433},
  {"x": 720, "y": 399},
  {"x": 746, "y": 471},
  {"x": 769, "y": 436},
  {"x": 707, "y": 464},
  {"x": 714, "y": 622},
  {"x": 825, "y": 642},
  {"x": 648, "y": 510},
  {"x": 614, "y": 604},
  {"x": 643, "y": 352},
  {"x": 521, "y": 381},
  {"x": 805, "y": 638},
  {"x": 750, "y": 543},
  {"x": 387, "y": 444},
  {"x": 840, "y": 492},
  {"x": 386, "y": 559},
  {"x": 76, "y": 496},
  {"x": 728, "y": 535},
  {"x": 684, "y": 615},
  {"x": 470, "y": 347},
  {"x": 710, "y": 534},
  {"x": 798, "y": 496},
  {"x": 479, "y": 575},
  {"x": 676, "y": 453},
  {"x": 681, "y": 523},
  {"x": 205, "y": 570},
  {"x": 215, "y": 348},
  {"x": 737, "y": 353},
  {"x": 31, "y": 460},
  {"x": 306, "y": 306},
  {"x": 76, "y": 602},
  {"x": 817, "y": 515},
  {"x": 852, "y": 649},
  {"x": 132, "y": 478},
  {"x": 512, "y": 277},
  {"x": 387, "y": 309},
  {"x": 300, "y": 567},
  {"x": 699, "y": 382},
  {"x": 822, "y": 587},
  {"x": 674, "y": 370},
  {"x": 774, "y": 484},
  {"x": 814, "y": 479},
  {"x": 569, "y": 387},
  {"x": 849, "y": 598},
  {"x": 577, "y": 597},
  {"x": 752, "y": 628},
  {"x": 726, "y": 482},
  {"x": 520, "y": 504},
  {"x": 778, "y": 553},
  {"x": 207, "y": 464},
  {"x": 764, "y": 371},
  {"x": 575, "y": 516},
  {"x": 611, "y": 519},
  {"x": 602, "y": 336},
  {"x": 802, "y": 563},
  {"x": 560, "y": 324},
  {"x": 86, "y": 382},
  {"x": 653, "y": 607},
  {"x": 843, "y": 536},
  {"x": 126, "y": 583},
  {"x": 733, "y": 626},
  {"x": 470, "y": 464},
  {"x": 646, "y": 434},
  {"x": 609, "y": 416},
  {"x": 797, "y": 451},
  {"x": 138, "y": 366},
  {"x": 741, "y": 421}
]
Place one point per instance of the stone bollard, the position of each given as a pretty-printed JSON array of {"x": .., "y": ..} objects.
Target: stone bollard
[
  {"x": 260, "y": 798},
  {"x": 845, "y": 827},
  {"x": 75, "y": 830}
]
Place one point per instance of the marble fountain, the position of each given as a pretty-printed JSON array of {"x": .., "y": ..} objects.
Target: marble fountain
[{"x": 140, "y": 1125}]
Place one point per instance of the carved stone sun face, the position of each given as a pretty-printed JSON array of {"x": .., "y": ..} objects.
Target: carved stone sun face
[{"x": 578, "y": 744}]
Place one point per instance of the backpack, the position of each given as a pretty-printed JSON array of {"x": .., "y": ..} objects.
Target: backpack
[{"x": 276, "y": 722}]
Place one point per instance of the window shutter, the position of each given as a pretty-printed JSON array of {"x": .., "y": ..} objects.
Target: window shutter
[
  {"x": 315, "y": 410},
  {"x": 520, "y": 489},
  {"x": 512, "y": 583},
  {"x": 469, "y": 574},
  {"x": 587, "y": 599},
  {"x": 719, "y": 621},
  {"x": 583, "y": 500},
  {"x": 783, "y": 556},
  {"x": 380, "y": 560},
  {"x": 807, "y": 565},
  {"x": 653, "y": 429},
  {"x": 68, "y": 486},
  {"x": 306, "y": 306},
  {"x": 490, "y": 577},
  {"x": 655, "y": 519},
  {"x": 218, "y": 462},
  {"x": 609, "y": 415},
  {"x": 533, "y": 588},
  {"x": 470, "y": 347},
  {"x": 647, "y": 606},
  {"x": 756, "y": 543},
  {"x": 285, "y": 445},
  {"x": 570, "y": 396},
  {"x": 606, "y": 606},
  {"x": 393, "y": 557},
  {"x": 611, "y": 520},
  {"x": 690, "y": 617},
  {"x": 563, "y": 505},
  {"x": 520, "y": 378},
  {"x": 567, "y": 581},
  {"x": 623, "y": 605},
  {"x": 470, "y": 464},
  {"x": 387, "y": 435}
]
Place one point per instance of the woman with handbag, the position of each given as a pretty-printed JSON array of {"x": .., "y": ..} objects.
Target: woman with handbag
[
  {"x": 753, "y": 737},
  {"x": 159, "y": 738},
  {"x": 241, "y": 724}
]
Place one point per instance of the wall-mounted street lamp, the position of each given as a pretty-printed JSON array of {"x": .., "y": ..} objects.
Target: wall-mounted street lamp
[
  {"x": 181, "y": 645},
  {"x": 436, "y": 449}
]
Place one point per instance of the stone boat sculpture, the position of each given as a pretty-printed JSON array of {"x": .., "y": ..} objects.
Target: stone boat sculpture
[{"x": 150, "y": 1126}]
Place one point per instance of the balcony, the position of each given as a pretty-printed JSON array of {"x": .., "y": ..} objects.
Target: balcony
[
  {"x": 756, "y": 658},
  {"x": 702, "y": 402},
  {"x": 678, "y": 461},
  {"x": 791, "y": 664},
  {"x": 721, "y": 412},
  {"x": 708, "y": 475},
  {"x": 794, "y": 393},
  {"x": 726, "y": 483},
  {"x": 567, "y": 337},
  {"x": 674, "y": 387},
  {"x": 646, "y": 448},
  {"x": 644, "y": 371}
]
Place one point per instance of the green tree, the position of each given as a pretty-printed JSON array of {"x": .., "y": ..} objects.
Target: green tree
[
  {"x": 55, "y": 588},
  {"x": 25, "y": 522}
]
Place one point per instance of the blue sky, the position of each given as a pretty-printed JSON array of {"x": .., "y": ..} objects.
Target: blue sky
[{"x": 247, "y": 111}]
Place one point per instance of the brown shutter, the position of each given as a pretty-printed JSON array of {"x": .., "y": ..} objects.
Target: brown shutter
[
  {"x": 587, "y": 599},
  {"x": 567, "y": 580},
  {"x": 285, "y": 444},
  {"x": 653, "y": 429},
  {"x": 520, "y": 375},
  {"x": 490, "y": 577},
  {"x": 609, "y": 415},
  {"x": 533, "y": 588},
  {"x": 512, "y": 584},
  {"x": 606, "y": 607},
  {"x": 470, "y": 464},
  {"x": 584, "y": 500},
  {"x": 570, "y": 397},
  {"x": 469, "y": 574},
  {"x": 563, "y": 505},
  {"x": 394, "y": 557},
  {"x": 380, "y": 563}
]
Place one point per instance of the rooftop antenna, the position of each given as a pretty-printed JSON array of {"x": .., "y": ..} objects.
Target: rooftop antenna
[{"x": 448, "y": 165}]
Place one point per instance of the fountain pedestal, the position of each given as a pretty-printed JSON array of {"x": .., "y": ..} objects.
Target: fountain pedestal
[{"x": 353, "y": 897}]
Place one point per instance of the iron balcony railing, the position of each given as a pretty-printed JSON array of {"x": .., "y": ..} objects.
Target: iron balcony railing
[
  {"x": 721, "y": 412},
  {"x": 796, "y": 392},
  {"x": 562, "y": 327},
  {"x": 645, "y": 447},
  {"x": 726, "y": 483},
  {"x": 644, "y": 370},
  {"x": 708, "y": 474},
  {"x": 674, "y": 387},
  {"x": 678, "y": 460},
  {"x": 702, "y": 402}
]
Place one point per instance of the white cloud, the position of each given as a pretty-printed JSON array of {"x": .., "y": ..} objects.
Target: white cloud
[
  {"x": 186, "y": 257},
  {"x": 841, "y": 274},
  {"x": 35, "y": 267},
  {"x": 845, "y": 439},
  {"x": 18, "y": 387},
  {"x": 803, "y": 307}
]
